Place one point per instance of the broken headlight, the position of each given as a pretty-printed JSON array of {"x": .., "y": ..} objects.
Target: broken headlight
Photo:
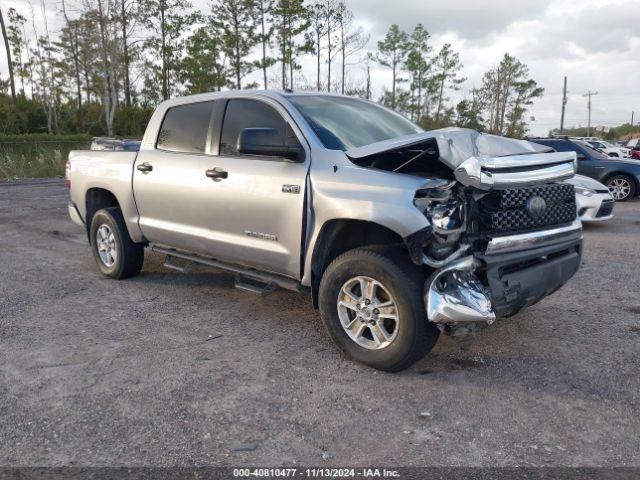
[{"x": 445, "y": 210}]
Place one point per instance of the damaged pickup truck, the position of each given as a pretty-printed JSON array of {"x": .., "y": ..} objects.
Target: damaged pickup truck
[{"x": 397, "y": 234}]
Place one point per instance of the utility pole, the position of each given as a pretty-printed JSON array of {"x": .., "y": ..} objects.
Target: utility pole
[
  {"x": 589, "y": 94},
  {"x": 564, "y": 104},
  {"x": 632, "y": 112},
  {"x": 368, "y": 94}
]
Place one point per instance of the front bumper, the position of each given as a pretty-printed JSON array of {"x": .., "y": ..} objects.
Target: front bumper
[
  {"x": 518, "y": 272},
  {"x": 520, "y": 279},
  {"x": 595, "y": 208}
]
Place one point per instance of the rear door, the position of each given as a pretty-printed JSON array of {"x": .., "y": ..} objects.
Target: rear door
[
  {"x": 257, "y": 211},
  {"x": 171, "y": 189}
]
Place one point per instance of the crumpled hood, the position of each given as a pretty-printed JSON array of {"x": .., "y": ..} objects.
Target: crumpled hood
[{"x": 455, "y": 145}]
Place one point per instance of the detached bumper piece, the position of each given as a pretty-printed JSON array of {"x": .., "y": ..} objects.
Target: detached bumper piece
[
  {"x": 520, "y": 279},
  {"x": 456, "y": 299}
]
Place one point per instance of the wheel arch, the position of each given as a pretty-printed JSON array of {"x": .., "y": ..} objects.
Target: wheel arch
[
  {"x": 337, "y": 236},
  {"x": 97, "y": 198}
]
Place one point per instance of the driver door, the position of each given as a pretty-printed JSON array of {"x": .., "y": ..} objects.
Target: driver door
[{"x": 256, "y": 209}]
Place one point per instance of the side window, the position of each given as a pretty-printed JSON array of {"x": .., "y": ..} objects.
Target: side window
[
  {"x": 185, "y": 128},
  {"x": 562, "y": 146},
  {"x": 241, "y": 114}
]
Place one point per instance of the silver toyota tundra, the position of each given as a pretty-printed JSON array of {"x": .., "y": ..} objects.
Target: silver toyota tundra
[{"x": 396, "y": 233}]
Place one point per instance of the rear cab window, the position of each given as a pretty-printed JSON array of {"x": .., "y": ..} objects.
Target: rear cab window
[{"x": 185, "y": 128}]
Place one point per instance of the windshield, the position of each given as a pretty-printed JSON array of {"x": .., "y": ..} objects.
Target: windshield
[
  {"x": 593, "y": 151},
  {"x": 342, "y": 123}
]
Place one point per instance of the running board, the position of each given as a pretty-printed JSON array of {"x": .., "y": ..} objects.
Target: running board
[
  {"x": 168, "y": 263},
  {"x": 261, "y": 277},
  {"x": 248, "y": 286}
]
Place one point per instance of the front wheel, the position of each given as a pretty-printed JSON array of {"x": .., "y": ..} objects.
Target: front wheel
[
  {"x": 622, "y": 188},
  {"x": 115, "y": 253},
  {"x": 371, "y": 304}
]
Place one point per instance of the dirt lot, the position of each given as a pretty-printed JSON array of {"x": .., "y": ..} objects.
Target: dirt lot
[{"x": 172, "y": 369}]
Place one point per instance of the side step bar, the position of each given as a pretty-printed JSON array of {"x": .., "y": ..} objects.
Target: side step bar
[
  {"x": 261, "y": 277},
  {"x": 263, "y": 290}
]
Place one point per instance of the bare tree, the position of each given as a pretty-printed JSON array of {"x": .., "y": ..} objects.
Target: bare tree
[
  {"x": 352, "y": 40},
  {"x": 128, "y": 18},
  {"x": 315, "y": 13},
  {"x": 72, "y": 34},
  {"x": 9, "y": 62},
  {"x": 330, "y": 7},
  {"x": 109, "y": 96}
]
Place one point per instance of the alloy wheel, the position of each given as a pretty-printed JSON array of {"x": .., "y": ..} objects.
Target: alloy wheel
[
  {"x": 106, "y": 245},
  {"x": 368, "y": 313},
  {"x": 620, "y": 188}
]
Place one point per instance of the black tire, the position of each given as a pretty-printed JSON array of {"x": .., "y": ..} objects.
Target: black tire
[
  {"x": 416, "y": 336},
  {"x": 625, "y": 178},
  {"x": 129, "y": 256}
]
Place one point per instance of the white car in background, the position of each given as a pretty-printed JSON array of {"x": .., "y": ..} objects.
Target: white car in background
[
  {"x": 594, "y": 202},
  {"x": 609, "y": 149}
]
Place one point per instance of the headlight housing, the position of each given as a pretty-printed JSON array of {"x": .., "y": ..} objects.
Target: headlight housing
[{"x": 587, "y": 192}]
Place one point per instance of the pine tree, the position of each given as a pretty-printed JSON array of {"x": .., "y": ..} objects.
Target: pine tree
[
  {"x": 167, "y": 20},
  {"x": 508, "y": 91},
  {"x": 392, "y": 52},
  {"x": 417, "y": 64},
  {"x": 237, "y": 21},
  {"x": 265, "y": 11},
  {"x": 446, "y": 68},
  {"x": 291, "y": 25},
  {"x": 204, "y": 67}
]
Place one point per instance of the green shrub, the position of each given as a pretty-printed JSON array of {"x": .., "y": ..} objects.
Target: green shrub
[{"x": 37, "y": 155}]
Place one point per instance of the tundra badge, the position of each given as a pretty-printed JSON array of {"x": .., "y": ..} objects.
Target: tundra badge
[{"x": 263, "y": 236}]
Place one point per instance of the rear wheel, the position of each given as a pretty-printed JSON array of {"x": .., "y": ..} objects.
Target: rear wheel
[
  {"x": 371, "y": 304},
  {"x": 622, "y": 187},
  {"x": 116, "y": 255}
]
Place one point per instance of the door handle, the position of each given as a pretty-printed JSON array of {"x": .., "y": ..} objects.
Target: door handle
[
  {"x": 145, "y": 167},
  {"x": 216, "y": 173}
]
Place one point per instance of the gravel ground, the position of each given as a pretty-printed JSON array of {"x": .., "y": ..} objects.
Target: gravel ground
[{"x": 173, "y": 369}]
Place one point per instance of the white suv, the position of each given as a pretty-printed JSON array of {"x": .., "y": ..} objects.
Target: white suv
[{"x": 609, "y": 149}]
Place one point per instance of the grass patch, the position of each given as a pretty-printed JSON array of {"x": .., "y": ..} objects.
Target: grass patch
[{"x": 37, "y": 155}]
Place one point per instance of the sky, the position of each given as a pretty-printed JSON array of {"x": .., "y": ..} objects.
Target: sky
[{"x": 595, "y": 43}]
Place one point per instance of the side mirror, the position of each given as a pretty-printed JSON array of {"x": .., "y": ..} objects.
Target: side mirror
[
  {"x": 268, "y": 142},
  {"x": 581, "y": 156}
]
